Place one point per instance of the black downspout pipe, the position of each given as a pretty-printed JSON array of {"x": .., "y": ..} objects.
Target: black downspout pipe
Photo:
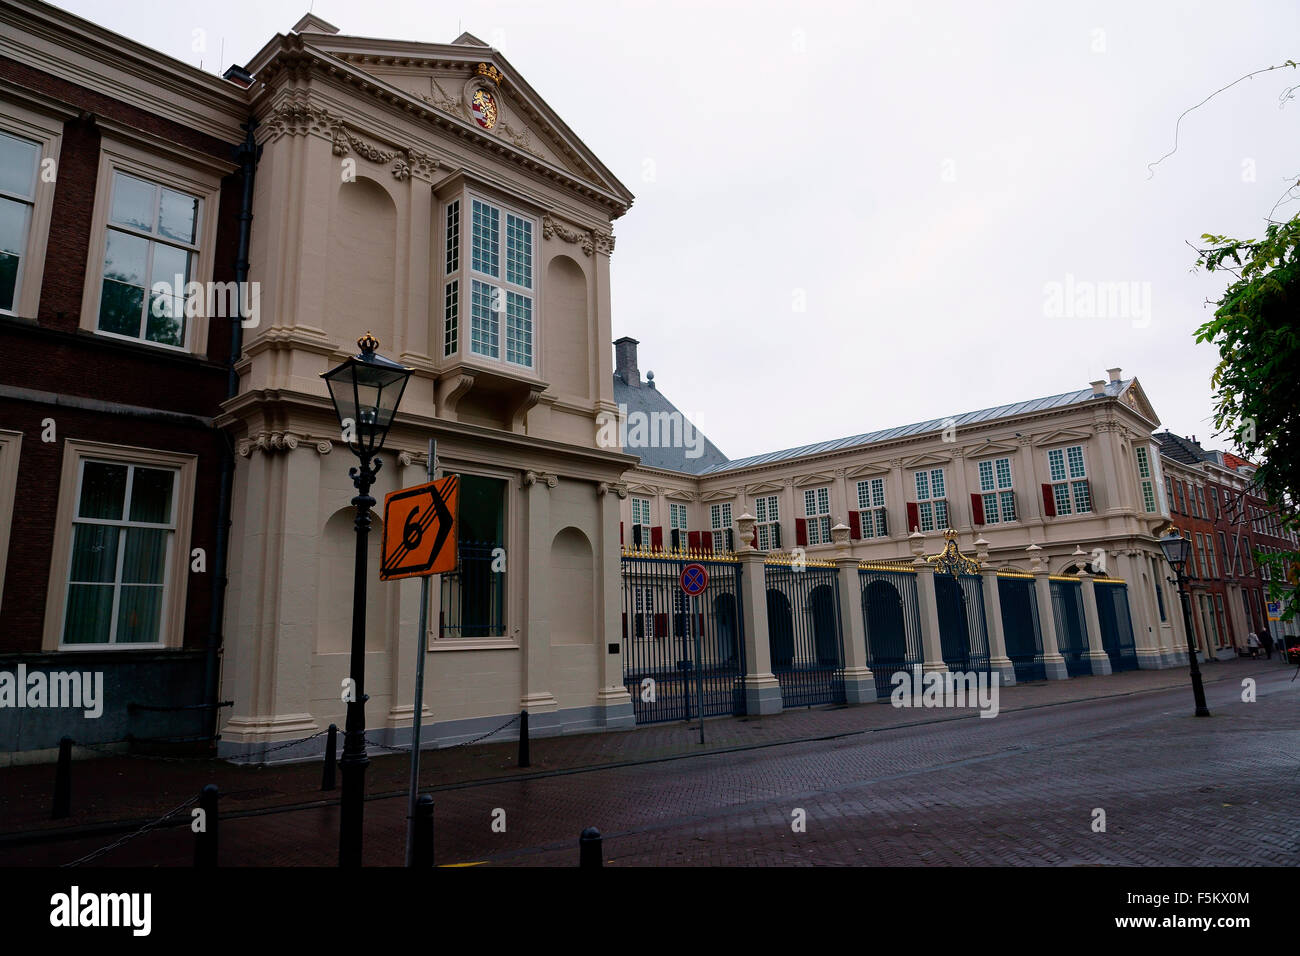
[{"x": 247, "y": 155}]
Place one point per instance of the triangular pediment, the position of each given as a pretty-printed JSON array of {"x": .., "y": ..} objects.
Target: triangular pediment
[
  {"x": 721, "y": 494},
  {"x": 641, "y": 490},
  {"x": 919, "y": 461},
  {"x": 990, "y": 448},
  {"x": 868, "y": 471},
  {"x": 763, "y": 488},
  {"x": 445, "y": 77},
  {"x": 817, "y": 478},
  {"x": 679, "y": 494},
  {"x": 1062, "y": 435},
  {"x": 1136, "y": 399}
]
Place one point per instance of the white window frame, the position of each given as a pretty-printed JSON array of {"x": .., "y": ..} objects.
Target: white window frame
[
  {"x": 531, "y": 292},
  {"x": 720, "y": 524},
  {"x": 678, "y": 522},
  {"x": 200, "y": 177},
  {"x": 176, "y": 573},
  {"x": 767, "y": 515},
  {"x": 873, "y": 521},
  {"x": 641, "y": 509},
  {"x": 818, "y": 524},
  {"x": 995, "y": 494},
  {"x": 928, "y": 507},
  {"x": 1070, "y": 482},
  {"x": 47, "y": 132}
]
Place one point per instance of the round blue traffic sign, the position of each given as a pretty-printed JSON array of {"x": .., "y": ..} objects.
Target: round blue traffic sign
[{"x": 694, "y": 579}]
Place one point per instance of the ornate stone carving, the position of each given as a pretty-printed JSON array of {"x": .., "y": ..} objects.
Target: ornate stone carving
[
  {"x": 617, "y": 487},
  {"x": 552, "y": 228},
  {"x": 295, "y": 118},
  {"x": 269, "y": 442},
  {"x": 533, "y": 477},
  {"x": 604, "y": 243},
  {"x": 344, "y": 139},
  {"x": 519, "y": 138},
  {"x": 950, "y": 560}
]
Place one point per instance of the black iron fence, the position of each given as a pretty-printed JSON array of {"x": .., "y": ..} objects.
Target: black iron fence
[
  {"x": 805, "y": 632},
  {"x": 893, "y": 619},
  {"x": 1020, "y": 627},
  {"x": 660, "y": 628},
  {"x": 962, "y": 633},
  {"x": 1116, "y": 625},
  {"x": 1071, "y": 631},
  {"x": 473, "y": 596}
]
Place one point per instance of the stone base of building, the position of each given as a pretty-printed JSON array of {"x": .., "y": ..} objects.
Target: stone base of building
[
  {"x": 1005, "y": 669},
  {"x": 762, "y": 695},
  {"x": 859, "y": 686},
  {"x": 1055, "y": 669},
  {"x": 1100, "y": 664}
]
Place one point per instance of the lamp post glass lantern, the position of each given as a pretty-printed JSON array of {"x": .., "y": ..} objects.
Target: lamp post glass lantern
[
  {"x": 366, "y": 391},
  {"x": 1177, "y": 549}
]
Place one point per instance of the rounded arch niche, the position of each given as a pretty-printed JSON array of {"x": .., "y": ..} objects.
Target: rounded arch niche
[
  {"x": 360, "y": 277},
  {"x": 337, "y": 569},
  {"x": 567, "y": 342},
  {"x": 573, "y": 608}
]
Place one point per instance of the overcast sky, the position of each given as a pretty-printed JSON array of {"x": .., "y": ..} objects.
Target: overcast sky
[{"x": 852, "y": 216}]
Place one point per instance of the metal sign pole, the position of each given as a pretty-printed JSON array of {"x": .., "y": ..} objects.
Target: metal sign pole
[
  {"x": 699, "y": 663},
  {"x": 420, "y": 643}
]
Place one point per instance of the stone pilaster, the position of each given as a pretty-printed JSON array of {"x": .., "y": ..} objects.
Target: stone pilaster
[
  {"x": 762, "y": 690},
  {"x": 998, "y": 659},
  {"x": 859, "y": 683},
  {"x": 1053, "y": 662},
  {"x": 1098, "y": 659}
]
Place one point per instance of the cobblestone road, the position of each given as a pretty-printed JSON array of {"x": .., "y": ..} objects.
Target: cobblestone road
[{"x": 1018, "y": 789}]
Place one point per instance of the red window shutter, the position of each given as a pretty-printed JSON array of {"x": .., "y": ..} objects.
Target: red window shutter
[
  {"x": 620, "y": 532},
  {"x": 706, "y": 542},
  {"x": 1049, "y": 502},
  {"x": 855, "y": 524},
  {"x": 801, "y": 531},
  {"x": 661, "y": 624},
  {"x": 657, "y": 539},
  {"x": 693, "y": 540},
  {"x": 976, "y": 508},
  {"x": 913, "y": 517}
]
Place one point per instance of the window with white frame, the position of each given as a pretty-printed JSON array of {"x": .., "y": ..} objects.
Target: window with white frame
[
  {"x": 931, "y": 500},
  {"x": 1209, "y": 553},
  {"x": 19, "y": 166},
  {"x": 1146, "y": 482},
  {"x": 871, "y": 508},
  {"x": 451, "y": 291},
  {"x": 123, "y": 535},
  {"x": 1201, "y": 511},
  {"x": 995, "y": 489},
  {"x": 150, "y": 250},
  {"x": 1202, "y": 566},
  {"x": 1069, "y": 479},
  {"x": 720, "y": 523},
  {"x": 677, "y": 525},
  {"x": 641, "y": 522},
  {"x": 508, "y": 301},
  {"x": 817, "y": 514},
  {"x": 767, "y": 517}
]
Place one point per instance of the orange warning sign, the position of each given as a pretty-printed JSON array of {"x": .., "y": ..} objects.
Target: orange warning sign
[{"x": 420, "y": 530}]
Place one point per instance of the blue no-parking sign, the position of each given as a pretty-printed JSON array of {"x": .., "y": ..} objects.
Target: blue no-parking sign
[{"x": 694, "y": 579}]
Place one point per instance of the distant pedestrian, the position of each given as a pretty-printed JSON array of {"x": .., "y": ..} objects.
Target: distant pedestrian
[
  {"x": 1252, "y": 644},
  {"x": 1266, "y": 639}
]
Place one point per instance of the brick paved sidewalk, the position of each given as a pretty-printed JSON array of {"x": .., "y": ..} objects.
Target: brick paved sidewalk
[{"x": 120, "y": 789}]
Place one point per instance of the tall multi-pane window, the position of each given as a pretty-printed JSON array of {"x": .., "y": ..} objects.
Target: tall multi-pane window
[
  {"x": 871, "y": 508},
  {"x": 1226, "y": 554},
  {"x": 767, "y": 518},
  {"x": 995, "y": 491},
  {"x": 1069, "y": 480},
  {"x": 1200, "y": 553},
  {"x": 1145, "y": 480},
  {"x": 720, "y": 524},
  {"x": 1201, "y": 511},
  {"x": 1178, "y": 492},
  {"x": 641, "y": 522},
  {"x": 931, "y": 500},
  {"x": 149, "y": 257},
  {"x": 474, "y": 595},
  {"x": 1209, "y": 553},
  {"x": 677, "y": 525},
  {"x": 19, "y": 159},
  {"x": 122, "y": 536},
  {"x": 451, "y": 292},
  {"x": 509, "y": 301},
  {"x": 1169, "y": 491},
  {"x": 817, "y": 514}
]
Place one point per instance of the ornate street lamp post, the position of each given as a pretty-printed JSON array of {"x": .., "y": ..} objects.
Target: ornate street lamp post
[
  {"x": 1176, "y": 549},
  {"x": 365, "y": 390}
]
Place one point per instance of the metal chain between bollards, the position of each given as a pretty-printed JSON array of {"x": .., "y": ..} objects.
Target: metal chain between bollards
[{"x": 135, "y": 833}]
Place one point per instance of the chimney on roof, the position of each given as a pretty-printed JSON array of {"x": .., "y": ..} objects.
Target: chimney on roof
[
  {"x": 625, "y": 361},
  {"x": 239, "y": 76},
  {"x": 1113, "y": 373},
  {"x": 1098, "y": 387}
]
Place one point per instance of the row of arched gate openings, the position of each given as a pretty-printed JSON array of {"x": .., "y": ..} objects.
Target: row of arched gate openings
[{"x": 669, "y": 679}]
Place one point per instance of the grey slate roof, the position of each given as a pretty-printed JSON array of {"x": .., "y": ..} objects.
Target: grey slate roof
[
  {"x": 1112, "y": 389},
  {"x": 1180, "y": 449},
  {"x": 647, "y": 400}
]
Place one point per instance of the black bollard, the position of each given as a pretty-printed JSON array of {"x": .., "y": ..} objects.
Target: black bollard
[
  {"x": 422, "y": 846},
  {"x": 589, "y": 848},
  {"x": 63, "y": 780},
  {"x": 205, "y": 847},
  {"x": 331, "y": 749},
  {"x": 523, "y": 739}
]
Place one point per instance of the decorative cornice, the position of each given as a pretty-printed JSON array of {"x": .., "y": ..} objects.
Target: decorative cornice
[
  {"x": 269, "y": 442},
  {"x": 552, "y": 228}
]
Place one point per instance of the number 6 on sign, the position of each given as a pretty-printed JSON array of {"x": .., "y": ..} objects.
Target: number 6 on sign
[{"x": 420, "y": 530}]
